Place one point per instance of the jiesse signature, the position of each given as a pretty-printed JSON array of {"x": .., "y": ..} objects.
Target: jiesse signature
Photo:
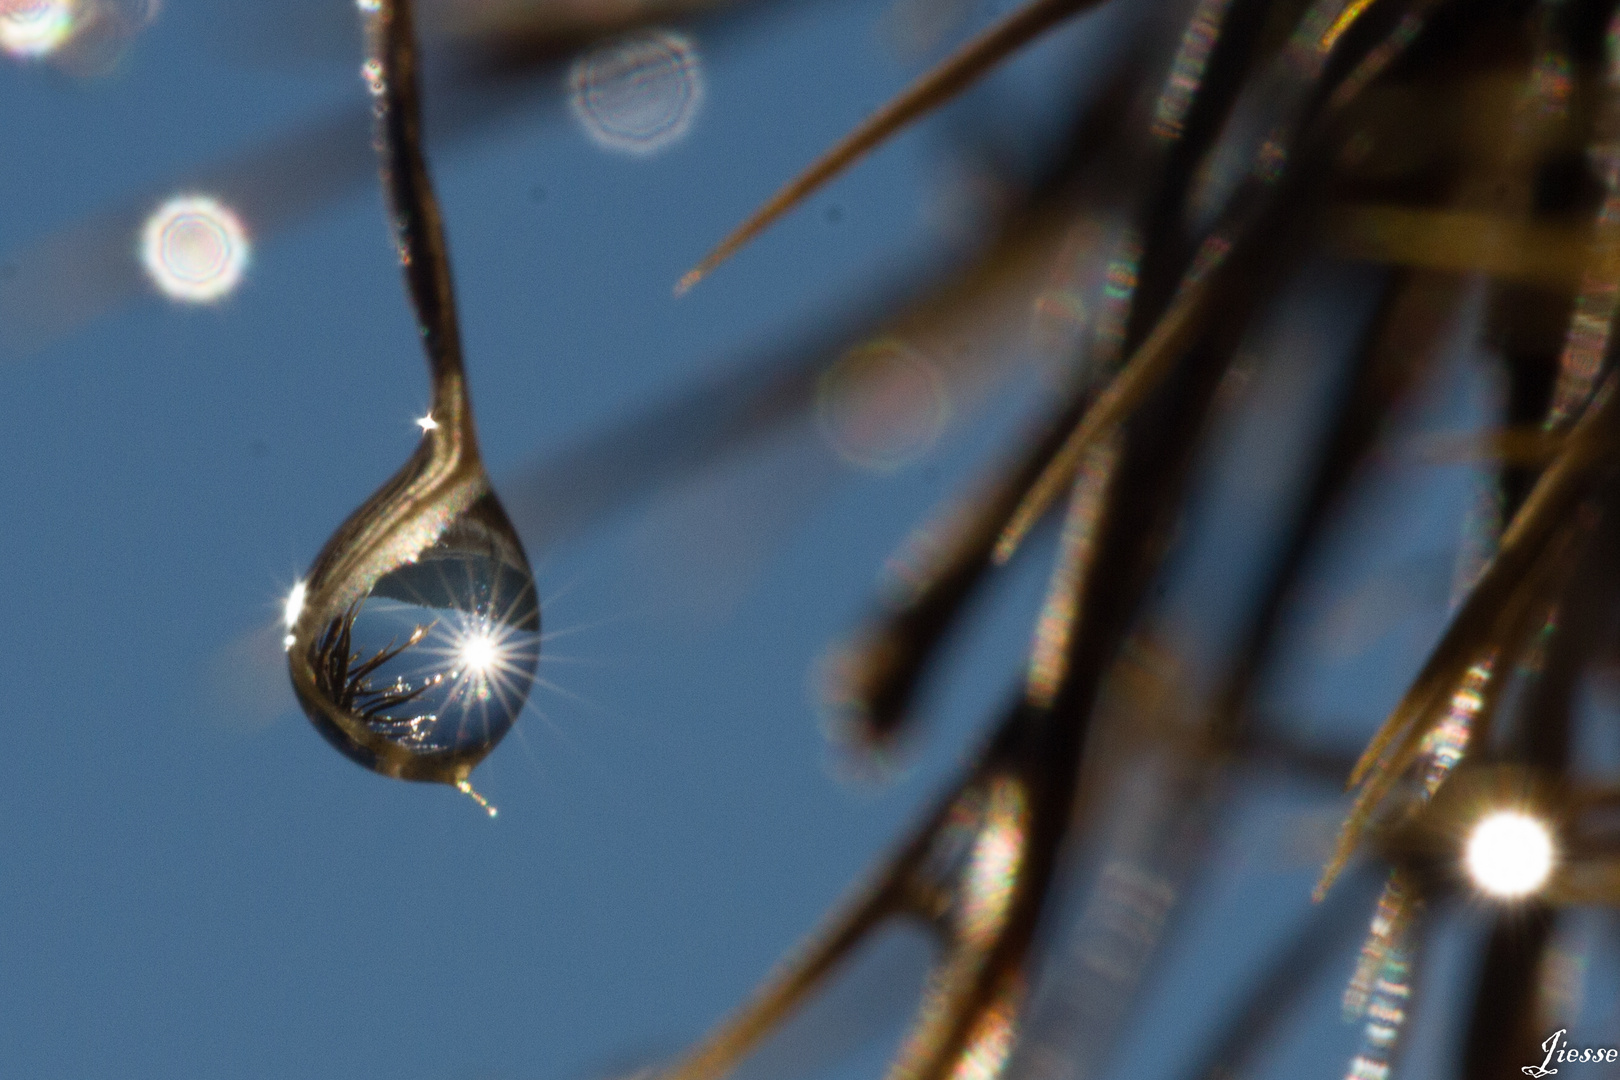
[{"x": 1555, "y": 1052}]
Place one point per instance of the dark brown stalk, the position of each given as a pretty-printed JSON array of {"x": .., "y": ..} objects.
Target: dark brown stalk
[
  {"x": 1544, "y": 529},
  {"x": 1249, "y": 214},
  {"x": 418, "y": 227},
  {"x": 874, "y": 678}
]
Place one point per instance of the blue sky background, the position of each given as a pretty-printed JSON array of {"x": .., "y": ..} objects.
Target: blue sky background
[{"x": 192, "y": 884}]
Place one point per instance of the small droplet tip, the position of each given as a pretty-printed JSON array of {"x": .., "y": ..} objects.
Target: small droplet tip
[{"x": 467, "y": 789}]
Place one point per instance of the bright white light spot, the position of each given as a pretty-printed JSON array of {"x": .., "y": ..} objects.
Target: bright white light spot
[
  {"x": 1509, "y": 854},
  {"x": 369, "y": 6},
  {"x": 427, "y": 423},
  {"x": 288, "y": 641},
  {"x": 32, "y": 28},
  {"x": 478, "y": 653},
  {"x": 640, "y": 94},
  {"x": 295, "y": 605},
  {"x": 194, "y": 249}
]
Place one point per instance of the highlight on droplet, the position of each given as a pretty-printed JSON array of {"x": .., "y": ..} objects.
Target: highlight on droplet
[
  {"x": 640, "y": 94},
  {"x": 194, "y": 249},
  {"x": 36, "y": 28},
  {"x": 291, "y": 610},
  {"x": 882, "y": 405},
  {"x": 1509, "y": 854}
]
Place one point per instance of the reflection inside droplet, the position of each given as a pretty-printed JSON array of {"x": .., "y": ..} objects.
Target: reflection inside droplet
[
  {"x": 437, "y": 658},
  {"x": 640, "y": 94},
  {"x": 194, "y": 249},
  {"x": 30, "y": 28},
  {"x": 882, "y": 405}
]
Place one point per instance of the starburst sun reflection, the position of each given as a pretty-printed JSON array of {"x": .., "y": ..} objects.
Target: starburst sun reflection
[{"x": 1509, "y": 854}]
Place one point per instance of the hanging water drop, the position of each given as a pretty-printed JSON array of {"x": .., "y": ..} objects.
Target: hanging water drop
[
  {"x": 424, "y": 646},
  {"x": 413, "y": 641}
]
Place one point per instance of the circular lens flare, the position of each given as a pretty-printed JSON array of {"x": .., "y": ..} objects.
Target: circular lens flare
[
  {"x": 194, "y": 249},
  {"x": 1509, "y": 854},
  {"x": 882, "y": 405},
  {"x": 640, "y": 94},
  {"x": 33, "y": 28}
]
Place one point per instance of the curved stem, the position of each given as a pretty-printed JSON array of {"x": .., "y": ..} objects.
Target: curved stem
[{"x": 418, "y": 227}]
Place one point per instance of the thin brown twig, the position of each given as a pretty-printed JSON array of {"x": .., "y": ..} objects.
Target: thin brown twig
[{"x": 955, "y": 74}]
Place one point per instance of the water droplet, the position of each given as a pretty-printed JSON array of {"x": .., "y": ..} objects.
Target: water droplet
[
  {"x": 413, "y": 640},
  {"x": 640, "y": 94},
  {"x": 372, "y": 72},
  {"x": 415, "y": 637}
]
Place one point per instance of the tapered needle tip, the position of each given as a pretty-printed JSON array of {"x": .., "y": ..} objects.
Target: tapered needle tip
[{"x": 689, "y": 279}]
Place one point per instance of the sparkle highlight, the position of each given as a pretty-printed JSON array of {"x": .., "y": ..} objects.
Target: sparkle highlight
[
  {"x": 993, "y": 866},
  {"x": 1509, "y": 854},
  {"x": 467, "y": 789},
  {"x": 1381, "y": 988}
]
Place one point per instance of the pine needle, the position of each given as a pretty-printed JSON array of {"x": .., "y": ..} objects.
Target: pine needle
[
  {"x": 1494, "y": 614},
  {"x": 953, "y": 75}
]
